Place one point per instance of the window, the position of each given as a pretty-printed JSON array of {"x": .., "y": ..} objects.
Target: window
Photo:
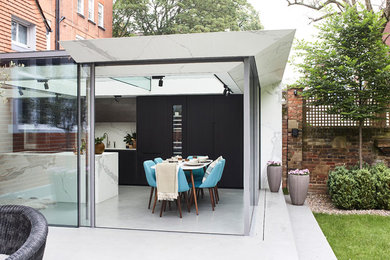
[
  {"x": 100, "y": 15},
  {"x": 78, "y": 37},
  {"x": 80, "y": 7},
  {"x": 22, "y": 35},
  {"x": 90, "y": 10}
]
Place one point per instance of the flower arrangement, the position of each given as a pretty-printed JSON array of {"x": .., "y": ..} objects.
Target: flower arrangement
[
  {"x": 274, "y": 163},
  {"x": 299, "y": 172}
]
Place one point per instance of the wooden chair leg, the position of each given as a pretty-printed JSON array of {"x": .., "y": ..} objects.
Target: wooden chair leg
[
  {"x": 216, "y": 199},
  {"x": 155, "y": 200},
  {"x": 216, "y": 192},
  {"x": 201, "y": 191},
  {"x": 178, "y": 204},
  {"x": 162, "y": 207},
  {"x": 169, "y": 204},
  {"x": 211, "y": 198},
  {"x": 197, "y": 193},
  {"x": 150, "y": 197},
  {"x": 185, "y": 197}
]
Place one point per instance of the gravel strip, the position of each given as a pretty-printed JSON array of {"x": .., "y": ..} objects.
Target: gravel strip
[{"x": 321, "y": 203}]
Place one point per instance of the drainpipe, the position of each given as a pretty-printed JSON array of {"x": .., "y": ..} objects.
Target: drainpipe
[{"x": 57, "y": 34}]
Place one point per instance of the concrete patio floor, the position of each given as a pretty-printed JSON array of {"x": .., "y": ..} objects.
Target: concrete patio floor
[{"x": 272, "y": 237}]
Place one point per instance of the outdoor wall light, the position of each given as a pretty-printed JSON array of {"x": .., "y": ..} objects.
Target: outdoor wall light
[
  {"x": 295, "y": 92},
  {"x": 294, "y": 132},
  {"x": 160, "y": 80}
]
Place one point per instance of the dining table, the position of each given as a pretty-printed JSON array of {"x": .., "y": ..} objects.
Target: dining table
[{"x": 188, "y": 167}]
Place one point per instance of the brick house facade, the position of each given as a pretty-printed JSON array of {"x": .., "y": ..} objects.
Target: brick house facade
[{"x": 25, "y": 24}]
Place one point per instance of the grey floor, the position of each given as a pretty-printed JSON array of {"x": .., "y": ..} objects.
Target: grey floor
[{"x": 129, "y": 210}]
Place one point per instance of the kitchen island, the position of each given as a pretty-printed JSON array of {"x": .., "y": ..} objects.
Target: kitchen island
[{"x": 54, "y": 176}]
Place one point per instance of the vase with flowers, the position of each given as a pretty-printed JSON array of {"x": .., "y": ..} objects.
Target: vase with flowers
[
  {"x": 298, "y": 185},
  {"x": 274, "y": 175}
]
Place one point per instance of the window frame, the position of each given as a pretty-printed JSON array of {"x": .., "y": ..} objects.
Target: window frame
[
  {"x": 30, "y": 44},
  {"x": 101, "y": 17}
]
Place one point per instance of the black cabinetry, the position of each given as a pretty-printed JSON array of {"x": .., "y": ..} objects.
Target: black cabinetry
[{"x": 211, "y": 125}]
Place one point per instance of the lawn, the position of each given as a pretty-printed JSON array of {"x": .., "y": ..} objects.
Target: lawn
[{"x": 357, "y": 236}]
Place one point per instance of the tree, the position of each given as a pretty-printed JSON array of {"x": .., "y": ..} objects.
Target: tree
[
  {"x": 154, "y": 17},
  {"x": 348, "y": 68},
  {"x": 339, "y": 6}
]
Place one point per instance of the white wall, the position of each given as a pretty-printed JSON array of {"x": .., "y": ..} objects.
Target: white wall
[
  {"x": 271, "y": 128},
  {"x": 116, "y": 132}
]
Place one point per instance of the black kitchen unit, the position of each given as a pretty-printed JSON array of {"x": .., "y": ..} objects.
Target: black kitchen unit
[
  {"x": 127, "y": 163},
  {"x": 192, "y": 125}
]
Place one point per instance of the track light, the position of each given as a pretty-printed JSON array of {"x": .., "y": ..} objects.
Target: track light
[
  {"x": 226, "y": 90},
  {"x": 116, "y": 98},
  {"x": 45, "y": 83},
  {"x": 160, "y": 80},
  {"x": 20, "y": 91}
]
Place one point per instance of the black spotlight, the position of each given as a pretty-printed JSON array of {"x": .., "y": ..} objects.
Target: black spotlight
[
  {"x": 160, "y": 80},
  {"x": 227, "y": 91},
  {"x": 117, "y": 97},
  {"x": 20, "y": 91},
  {"x": 45, "y": 83}
]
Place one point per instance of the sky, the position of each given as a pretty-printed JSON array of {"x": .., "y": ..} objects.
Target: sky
[{"x": 276, "y": 14}]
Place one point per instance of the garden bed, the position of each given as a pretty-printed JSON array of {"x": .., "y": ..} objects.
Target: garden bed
[{"x": 321, "y": 203}]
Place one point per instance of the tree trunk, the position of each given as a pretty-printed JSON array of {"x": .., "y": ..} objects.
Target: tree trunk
[{"x": 361, "y": 144}]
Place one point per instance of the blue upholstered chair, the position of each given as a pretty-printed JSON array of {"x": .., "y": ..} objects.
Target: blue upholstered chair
[
  {"x": 158, "y": 160},
  {"x": 216, "y": 193},
  {"x": 182, "y": 189},
  {"x": 211, "y": 181},
  {"x": 150, "y": 178}
]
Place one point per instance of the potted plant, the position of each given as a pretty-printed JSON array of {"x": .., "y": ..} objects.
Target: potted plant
[
  {"x": 130, "y": 140},
  {"x": 298, "y": 185},
  {"x": 274, "y": 175},
  {"x": 99, "y": 145}
]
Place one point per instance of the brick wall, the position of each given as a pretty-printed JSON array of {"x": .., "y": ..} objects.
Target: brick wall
[
  {"x": 387, "y": 32},
  {"x": 73, "y": 24},
  {"x": 22, "y": 9},
  {"x": 44, "y": 142},
  {"x": 76, "y": 24},
  {"x": 320, "y": 149}
]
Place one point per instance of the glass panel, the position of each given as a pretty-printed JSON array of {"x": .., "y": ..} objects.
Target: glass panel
[
  {"x": 38, "y": 130},
  {"x": 100, "y": 15},
  {"x": 140, "y": 82},
  {"x": 177, "y": 122},
  {"x": 14, "y": 30},
  {"x": 22, "y": 34}
]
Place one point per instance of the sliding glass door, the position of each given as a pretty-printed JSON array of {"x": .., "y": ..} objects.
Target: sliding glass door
[{"x": 38, "y": 136}]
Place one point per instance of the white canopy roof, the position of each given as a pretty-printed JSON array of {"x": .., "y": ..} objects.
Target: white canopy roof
[{"x": 269, "y": 48}]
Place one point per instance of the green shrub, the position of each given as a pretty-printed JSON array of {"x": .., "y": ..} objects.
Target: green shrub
[
  {"x": 342, "y": 188},
  {"x": 368, "y": 188},
  {"x": 382, "y": 184}
]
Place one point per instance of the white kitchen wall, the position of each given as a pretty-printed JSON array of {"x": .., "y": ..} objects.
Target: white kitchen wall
[{"x": 116, "y": 132}]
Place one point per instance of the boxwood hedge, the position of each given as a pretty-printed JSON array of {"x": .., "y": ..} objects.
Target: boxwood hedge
[{"x": 367, "y": 188}]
